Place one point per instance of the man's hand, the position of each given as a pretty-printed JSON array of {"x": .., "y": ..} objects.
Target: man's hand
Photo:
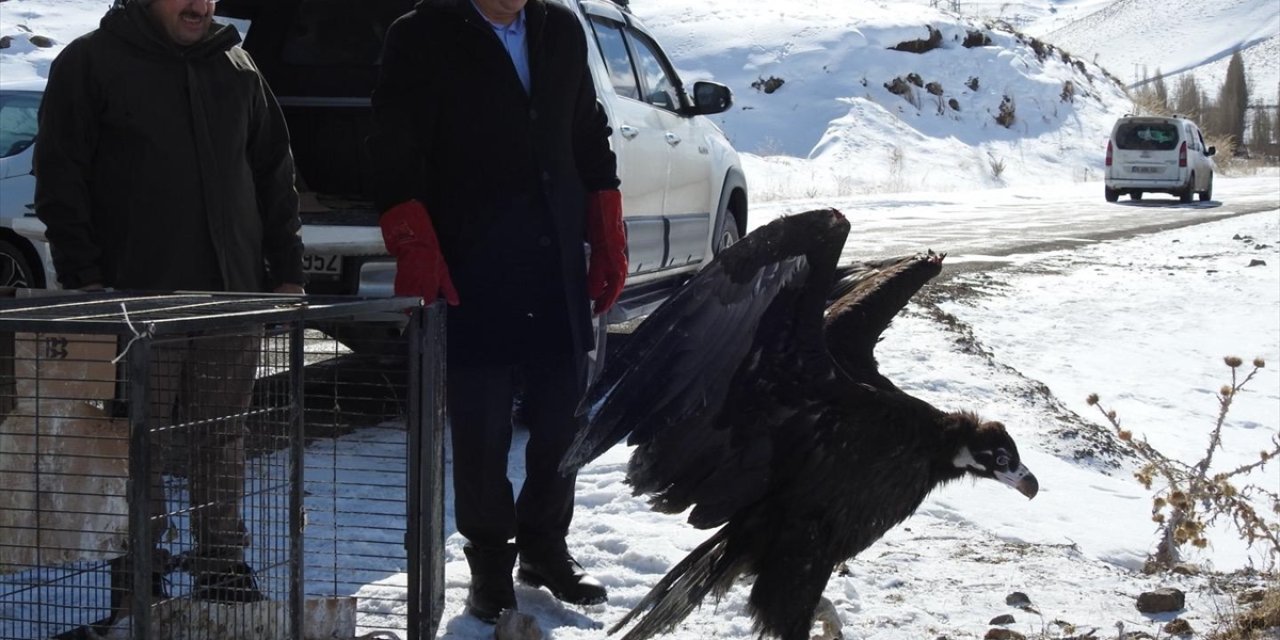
[
  {"x": 607, "y": 269},
  {"x": 420, "y": 267}
]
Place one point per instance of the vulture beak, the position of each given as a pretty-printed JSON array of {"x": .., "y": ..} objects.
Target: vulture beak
[{"x": 1021, "y": 479}]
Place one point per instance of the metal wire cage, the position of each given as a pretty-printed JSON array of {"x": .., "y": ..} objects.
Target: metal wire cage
[{"x": 212, "y": 466}]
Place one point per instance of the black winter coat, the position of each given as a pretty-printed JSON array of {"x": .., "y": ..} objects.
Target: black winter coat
[
  {"x": 160, "y": 167},
  {"x": 503, "y": 174}
]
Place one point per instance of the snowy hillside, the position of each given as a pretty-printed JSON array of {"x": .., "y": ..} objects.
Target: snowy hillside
[
  {"x": 833, "y": 104},
  {"x": 1126, "y": 35},
  {"x": 811, "y": 81},
  {"x": 1179, "y": 37},
  {"x": 814, "y": 113}
]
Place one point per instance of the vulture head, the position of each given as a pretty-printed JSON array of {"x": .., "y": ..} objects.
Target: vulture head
[{"x": 985, "y": 450}]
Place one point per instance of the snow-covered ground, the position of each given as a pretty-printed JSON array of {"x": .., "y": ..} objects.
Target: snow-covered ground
[{"x": 1143, "y": 321}]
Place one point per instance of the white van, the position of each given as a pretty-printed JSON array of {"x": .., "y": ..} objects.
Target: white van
[{"x": 1160, "y": 154}]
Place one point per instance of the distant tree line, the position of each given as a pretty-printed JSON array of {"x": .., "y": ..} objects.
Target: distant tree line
[{"x": 1243, "y": 128}]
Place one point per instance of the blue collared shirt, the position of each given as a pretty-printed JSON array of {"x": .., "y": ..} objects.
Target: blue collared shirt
[{"x": 512, "y": 37}]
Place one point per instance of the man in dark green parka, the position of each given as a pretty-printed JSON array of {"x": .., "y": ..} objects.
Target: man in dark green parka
[{"x": 163, "y": 163}]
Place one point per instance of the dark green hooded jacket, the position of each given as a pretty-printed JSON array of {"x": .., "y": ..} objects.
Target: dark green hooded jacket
[{"x": 160, "y": 167}]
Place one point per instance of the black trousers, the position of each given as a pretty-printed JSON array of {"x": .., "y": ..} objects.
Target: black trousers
[{"x": 479, "y": 407}]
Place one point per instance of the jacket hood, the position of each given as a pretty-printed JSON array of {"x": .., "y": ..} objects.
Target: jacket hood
[{"x": 134, "y": 24}]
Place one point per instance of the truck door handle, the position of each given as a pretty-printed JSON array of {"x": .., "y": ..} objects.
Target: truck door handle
[
  {"x": 672, "y": 139},
  {"x": 628, "y": 131}
]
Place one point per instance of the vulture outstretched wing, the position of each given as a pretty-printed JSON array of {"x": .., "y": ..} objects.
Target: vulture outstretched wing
[
  {"x": 869, "y": 298},
  {"x": 758, "y": 405},
  {"x": 762, "y": 298}
]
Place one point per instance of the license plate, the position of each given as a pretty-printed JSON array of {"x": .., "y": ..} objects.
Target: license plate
[
  {"x": 1144, "y": 169},
  {"x": 322, "y": 263}
]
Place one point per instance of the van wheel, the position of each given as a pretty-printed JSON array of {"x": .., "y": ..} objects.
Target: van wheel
[
  {"x": 1135, "y": 195},
  {"x": 1207, "y": 194},
  {"x": 1188, "y": 191},
  {"x": 1111, "y": 194},
  {"x": 14, "y": 270}
]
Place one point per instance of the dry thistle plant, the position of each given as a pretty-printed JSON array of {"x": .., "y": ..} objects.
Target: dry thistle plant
[{"x": 1190, "y": 497}]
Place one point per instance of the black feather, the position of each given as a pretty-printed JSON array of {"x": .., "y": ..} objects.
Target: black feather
[{"x": 755, "y": 406}]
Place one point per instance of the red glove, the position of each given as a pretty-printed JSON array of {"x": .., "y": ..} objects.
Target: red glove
[
  {"x": 420, "y": 267},
  {"x": 608, "y": 237}
]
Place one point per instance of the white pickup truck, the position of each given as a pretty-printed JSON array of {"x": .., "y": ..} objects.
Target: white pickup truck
[{"x": 684, "y": 192}]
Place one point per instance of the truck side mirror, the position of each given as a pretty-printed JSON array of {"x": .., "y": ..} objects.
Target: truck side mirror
[
  {"x": 1212, "y": 150},
  {"x": 710, "y": 97}
]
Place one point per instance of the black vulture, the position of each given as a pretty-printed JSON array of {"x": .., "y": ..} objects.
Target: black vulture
[{"x": 753, "y": 401}]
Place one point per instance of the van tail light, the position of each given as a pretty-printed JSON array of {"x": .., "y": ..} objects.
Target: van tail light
[
  {"x": 1108, "y": 153},
  {"x": 1182, "y": 154}
]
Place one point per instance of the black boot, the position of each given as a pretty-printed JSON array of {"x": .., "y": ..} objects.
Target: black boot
[
  {"x": 492, "y": 590},
  {"x": 556, "y": 570}
]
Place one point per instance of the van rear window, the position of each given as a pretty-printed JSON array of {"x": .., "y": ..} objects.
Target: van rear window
[{"x": 1147, "y": 136}]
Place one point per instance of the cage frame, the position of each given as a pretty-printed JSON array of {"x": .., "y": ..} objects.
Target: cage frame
[{"x": 157, "y": 316}]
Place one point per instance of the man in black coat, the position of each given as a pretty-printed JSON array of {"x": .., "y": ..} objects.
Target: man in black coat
[
  {"x": 494, "y": 168},
  {"x": 163, "y": 163}
]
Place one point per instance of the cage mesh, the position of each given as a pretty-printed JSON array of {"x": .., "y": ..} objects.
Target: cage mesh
[{"x": 217, "y": 466}]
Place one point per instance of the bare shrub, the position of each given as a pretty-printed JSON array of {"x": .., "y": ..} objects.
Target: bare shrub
[
  {"x": 995, "y": 164},
  {"x": 1068, "y": 91},
  {"x": 768, "y": 85},
  {"x": 1008, "y": 112},
  {"x": 975, "y": 39},
  {"x": 904, "y": 88},
  {"x": 1147, "y": 103},
  {"x": 1256, "y": 622},
  {"x": 845, "y": 184},
  {"x": 1041, "y": 49},
  {"x": 1225, "y": 156},
  {"x": 921, "y": 46},
  {"x": 1189, "y": 497},
  {"x": 897, "y": 160}
]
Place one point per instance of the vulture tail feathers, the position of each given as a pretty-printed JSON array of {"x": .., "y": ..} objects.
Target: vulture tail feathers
[{"x": 710, "y": 569}]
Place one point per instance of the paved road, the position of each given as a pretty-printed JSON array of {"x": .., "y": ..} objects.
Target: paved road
[{"x": 987, "y": 225}]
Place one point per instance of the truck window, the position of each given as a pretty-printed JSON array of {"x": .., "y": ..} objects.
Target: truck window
[
  {"x": 617, "y": 61},
  {"x": 17, "y": 122},
  {"x": 656, "y": 79}
]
